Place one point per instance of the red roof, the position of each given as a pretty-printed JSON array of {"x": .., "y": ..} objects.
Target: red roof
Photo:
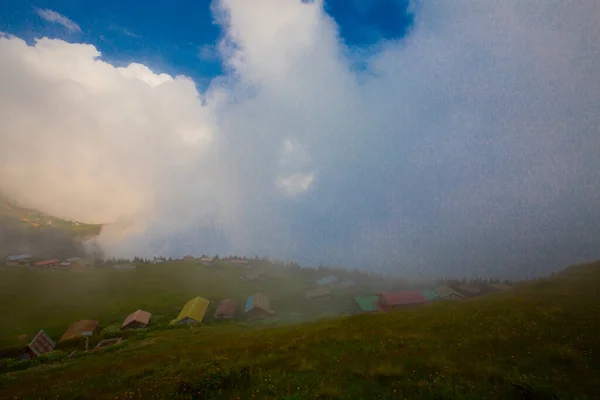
[
  {"x": 45, "y": 262},
  {"x": 391, "y": 299},
  {"x": 41, "y": 344}
]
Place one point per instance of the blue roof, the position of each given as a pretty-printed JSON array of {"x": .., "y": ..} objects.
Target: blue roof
[
  {"x": 19, "y": 257},
  {"x": 327, "y": 280},
  {"x": 248, "y": 304}
]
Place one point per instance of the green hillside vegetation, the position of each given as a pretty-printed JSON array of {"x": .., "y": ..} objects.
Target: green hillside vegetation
[
  {"x": 45, "y": 237},
  {"x": 536, "y": 341},
  {"x": 34, "y": 219},
  {"x": 50, "y": 300}
]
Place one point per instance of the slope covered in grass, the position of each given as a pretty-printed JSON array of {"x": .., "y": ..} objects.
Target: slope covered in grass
[
  {"x": 538, "y": 341},
  {"x": 27, "y": 231},
  {"x": 50, "y": 300},
  {"x": 10, "y": 211}
]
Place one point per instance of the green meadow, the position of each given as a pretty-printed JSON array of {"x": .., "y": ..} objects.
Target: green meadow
[
  {"x": 536, "y": 341},
  {"x": 50, "y": 300}
]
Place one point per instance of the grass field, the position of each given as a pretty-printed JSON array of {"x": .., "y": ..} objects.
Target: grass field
[
  {"x": 50, "y": 300},
  {"x": 537, "y": 341}
]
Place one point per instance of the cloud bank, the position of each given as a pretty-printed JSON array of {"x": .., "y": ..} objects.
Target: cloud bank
[
  {"x": 469, "y": 147},
  {"x": 56, "y": 18}
]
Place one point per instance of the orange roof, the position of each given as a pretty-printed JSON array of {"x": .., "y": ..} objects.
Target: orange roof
[
  {"x": 76, "y": 329},
  {"x": 143, "y": 317}
]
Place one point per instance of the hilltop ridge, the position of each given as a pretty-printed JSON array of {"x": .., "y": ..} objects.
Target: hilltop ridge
[
  {"x": 23, "y": 230},
  {"x": 36, "y": 219}
]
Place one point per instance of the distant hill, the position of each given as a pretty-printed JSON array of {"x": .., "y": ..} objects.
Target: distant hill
[
  {"x": 536, "y": 341},
  {"x": 23, "y": 230},
  {"x": 40, "y": 220}
]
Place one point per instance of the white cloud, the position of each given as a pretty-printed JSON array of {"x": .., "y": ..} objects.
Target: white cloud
[
  {"x": 464, "y": 145},
  {"x": 129, "y": 33},
  {"x": 295, "y": 184},
  {"x": 143, "y": 73},
  {"x": 56, "y": 18},
  {"x": 208, "y": 52}
]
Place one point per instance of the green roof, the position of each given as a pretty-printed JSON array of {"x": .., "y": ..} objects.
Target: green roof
[
  {"x": 429, "y": 294},
  {"x": 367, "y": 303}
]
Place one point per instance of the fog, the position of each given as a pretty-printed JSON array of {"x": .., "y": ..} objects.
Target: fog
[
  {"x": 47, "y": 243},
  {"x": 469, "y": 147}
]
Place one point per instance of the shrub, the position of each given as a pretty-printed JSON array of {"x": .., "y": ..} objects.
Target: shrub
[
  {"x": 14, "y": 364},
  {"x": 53, "y": 356},
  {"x": 111, "y": 332}
]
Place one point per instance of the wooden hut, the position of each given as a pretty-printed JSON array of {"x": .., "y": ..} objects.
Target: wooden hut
[
  {"x": 447, "y": 293},
  {"x": 79, "y": 329},
  {"x": 192, "y": 312},
  {"x": 226, "y": 309},
  {"x": 40, "y": 344},
  {"x": 136, "y": 320},
  {"x": 258, "y": 306}
]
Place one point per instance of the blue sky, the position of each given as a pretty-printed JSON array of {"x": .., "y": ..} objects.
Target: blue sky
[{"x": 179, "y": 37}]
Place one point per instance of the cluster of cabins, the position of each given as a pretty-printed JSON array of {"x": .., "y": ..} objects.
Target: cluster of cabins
[
  {"x": 193, "y": 312},
  {"x": 42, "y": 343},
  {"x": 78, "y": 264},
  {"x": 256, "y": 306},
  {"x": 27, "y": 260},
  {"x": 386, "y": 301}
]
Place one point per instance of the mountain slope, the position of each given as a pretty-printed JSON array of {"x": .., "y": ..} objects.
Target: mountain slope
[
  {"x": 538, "y": 341},
  {"x": 27, "y": 231},
  {"x": 9, "y": 210}
]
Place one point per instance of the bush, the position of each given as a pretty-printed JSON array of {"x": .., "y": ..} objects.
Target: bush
[
  {"x": 159, "y": 320},
  {"x": 53, "y": 356},
  {"x": 14, "y": 364},
  {"x": 141, "y": 333},
  {"x": 111, "y": 332}
]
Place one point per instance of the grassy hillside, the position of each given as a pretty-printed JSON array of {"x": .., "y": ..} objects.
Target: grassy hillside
[
  {"x": 35, "y": 219},
  {"x": 50, "y": 300},
  {"x": 538, "y": 341},
  {"x": 28, "y": 231}
]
